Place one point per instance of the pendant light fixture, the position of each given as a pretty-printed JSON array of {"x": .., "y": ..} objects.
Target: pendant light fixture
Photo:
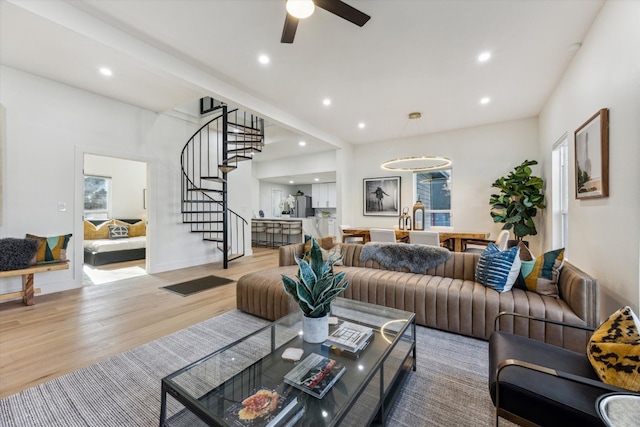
[{"x": 416, "y": 163}]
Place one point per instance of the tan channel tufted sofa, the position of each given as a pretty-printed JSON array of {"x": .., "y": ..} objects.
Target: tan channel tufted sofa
[{"x": 445, "y": 297}]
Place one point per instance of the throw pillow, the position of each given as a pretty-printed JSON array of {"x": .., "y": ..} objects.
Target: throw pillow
[
  {"x": 614, "y": 350},
  {"x": 118, "y": 231},
  {"x": 16, "y": 254},
  {"x": 498, "y": 269},
  {"x": 333, "y": 251},
  {"x": 51, "y": 249},
  {"x": 94, "y": 232},
  {"x": 136, "y": 229},
  {"x": 541, "y": 274}
]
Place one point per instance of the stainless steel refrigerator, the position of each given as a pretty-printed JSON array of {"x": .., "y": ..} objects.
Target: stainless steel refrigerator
[{"x": 303, "y": 207}]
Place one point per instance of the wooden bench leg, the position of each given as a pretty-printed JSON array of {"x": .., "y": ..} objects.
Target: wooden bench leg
[{"x": 27, "y": 287}]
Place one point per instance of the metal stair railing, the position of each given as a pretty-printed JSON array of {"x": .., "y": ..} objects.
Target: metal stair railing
[{"x": 209, "y": 155}]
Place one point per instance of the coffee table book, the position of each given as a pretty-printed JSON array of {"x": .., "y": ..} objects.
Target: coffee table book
[
  {"x": 349, "y": 336},
  {"x": 338, "y": 351},
  {"x": 315, "y": 375},
  {"x": 264, "y": 407}
]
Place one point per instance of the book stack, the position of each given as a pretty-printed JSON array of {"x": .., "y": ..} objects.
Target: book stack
[
  {"x": 266, "y": 407},
  {"x": 315, "y": 375},
  {"x": 349, "y": 339}
]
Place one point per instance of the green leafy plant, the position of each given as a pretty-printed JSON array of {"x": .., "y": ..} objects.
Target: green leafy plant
[
  {"x": 317, "y": 285},
  {"x": 519, "y": 199}
]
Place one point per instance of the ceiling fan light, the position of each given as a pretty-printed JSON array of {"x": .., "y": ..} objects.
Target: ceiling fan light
[{"x": 300, "y": 8}]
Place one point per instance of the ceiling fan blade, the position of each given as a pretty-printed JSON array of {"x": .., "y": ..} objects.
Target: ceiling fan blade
[
  {"x": 344, "y": 11},
  {"x": 289, "y": 30}
]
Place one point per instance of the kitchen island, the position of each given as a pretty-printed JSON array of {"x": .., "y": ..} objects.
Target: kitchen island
[{"x": 274, "y": 232}]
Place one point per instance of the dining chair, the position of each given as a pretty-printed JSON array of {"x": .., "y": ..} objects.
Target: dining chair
[
  {"x": 478, "y": 246},
  {"x": 382, "y": 235},
  {"x": 424, "y": 237}
]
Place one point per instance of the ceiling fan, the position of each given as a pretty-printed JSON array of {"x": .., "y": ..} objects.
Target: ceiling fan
[{"x": 337, "y": 7}]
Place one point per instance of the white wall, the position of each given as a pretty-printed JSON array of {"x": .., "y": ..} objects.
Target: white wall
[
  {"x": 604, "y": 234},
  {"x": 49, "y": 129},
  {"x": 480, "y": 155},
  {"x": 128, "y": 180}
]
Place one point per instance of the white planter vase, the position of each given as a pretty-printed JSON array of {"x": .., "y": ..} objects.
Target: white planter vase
[
  {"x": 315, "y": 329},
  {"x": 285, "y": 216}
]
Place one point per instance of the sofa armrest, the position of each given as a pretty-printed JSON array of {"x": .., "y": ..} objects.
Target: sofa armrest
[
  {"x": 580, "y": 292},
  {"x": 544, "y": 371},
  {"x": 538, "y": 319},
  {"x": 287, "y": 254}
]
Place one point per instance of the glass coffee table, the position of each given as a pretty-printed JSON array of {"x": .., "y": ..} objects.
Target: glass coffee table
[{"x": 202, "y": 392}]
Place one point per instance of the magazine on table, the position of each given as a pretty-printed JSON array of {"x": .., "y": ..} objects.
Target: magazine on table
[
  {"x": 315, "y": 375},
  {"x": 349, "y": 336},
  {"x": 265, "y": 407},
  {"x": 339, "y": 351}
]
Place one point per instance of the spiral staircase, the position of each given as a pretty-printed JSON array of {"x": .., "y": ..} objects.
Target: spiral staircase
[{"x": 207, "y": 158}]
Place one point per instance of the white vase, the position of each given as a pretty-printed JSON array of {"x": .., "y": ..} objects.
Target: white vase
[
  {"x": 285, "y": 216},
  {"x": 315, "y": 329}
]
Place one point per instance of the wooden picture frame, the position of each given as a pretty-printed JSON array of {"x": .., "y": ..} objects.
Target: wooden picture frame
[
  {"x": 381, "y": 196},
  {"x": 592, "y": 157}
]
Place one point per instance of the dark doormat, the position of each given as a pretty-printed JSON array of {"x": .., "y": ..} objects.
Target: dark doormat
[{"x": 197, "y": 285}]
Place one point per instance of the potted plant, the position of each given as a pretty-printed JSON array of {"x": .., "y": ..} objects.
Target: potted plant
[
  {"x": 317, "y": 286},
  {"x": 287, "y": 205},
  {"x": 519, "y": 199}
]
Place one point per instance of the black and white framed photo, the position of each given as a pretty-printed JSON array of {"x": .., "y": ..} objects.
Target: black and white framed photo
[
  {"x": 592, "y": 157},
  {"x": 381, "y": 196}
]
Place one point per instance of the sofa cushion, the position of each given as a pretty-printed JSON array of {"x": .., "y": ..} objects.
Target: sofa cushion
[
  {"x": 16, "y": 254},
  {"x": 136, "y": 229},
  {"x": 498, "y": 269},
  {"x": 118, "y": 232},
  {"x": 614, "y": 350},
  {"x": 541, "y": 274},
  {"x": 327, "y": 247},
  {"x": 51, "y": 249}
]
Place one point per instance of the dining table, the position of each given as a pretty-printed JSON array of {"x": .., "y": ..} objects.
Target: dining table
[{"x": 456, "y": 238}]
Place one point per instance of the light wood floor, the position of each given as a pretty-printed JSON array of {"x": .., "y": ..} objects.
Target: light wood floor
[{"x": 68, "y": 330}]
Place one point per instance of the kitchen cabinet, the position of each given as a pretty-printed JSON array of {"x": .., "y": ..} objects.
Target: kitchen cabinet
[{"x": 324, "y": 195}]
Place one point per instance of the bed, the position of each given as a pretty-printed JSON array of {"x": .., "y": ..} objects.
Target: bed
[{"x": 114, "y": 240}]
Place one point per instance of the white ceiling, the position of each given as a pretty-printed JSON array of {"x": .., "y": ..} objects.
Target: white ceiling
[{"x": 413, "y": 55}]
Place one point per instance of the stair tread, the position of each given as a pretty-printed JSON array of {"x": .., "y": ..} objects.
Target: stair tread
[{"x": 205, "y": 190}]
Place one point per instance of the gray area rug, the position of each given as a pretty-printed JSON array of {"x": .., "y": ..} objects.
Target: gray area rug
[{"x": 449, "y": 387}]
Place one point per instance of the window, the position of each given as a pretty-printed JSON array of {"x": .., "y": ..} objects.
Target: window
[
  {"x": 433, "y": 189},
  {"x": 97, "y": 197},
  {"x": 560, "y": 189}
]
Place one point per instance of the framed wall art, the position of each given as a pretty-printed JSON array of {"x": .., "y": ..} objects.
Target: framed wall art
[
  {"x": 381, "y": 196},
  {"x": 592, "y": 157}
]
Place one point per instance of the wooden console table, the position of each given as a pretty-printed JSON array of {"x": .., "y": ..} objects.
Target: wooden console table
[
  {"x": 458, "y": 237},
  {"x": 28, "y": 291}
]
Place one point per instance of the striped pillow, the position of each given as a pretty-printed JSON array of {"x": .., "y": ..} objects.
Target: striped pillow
[{"x": 498, "y": 269}]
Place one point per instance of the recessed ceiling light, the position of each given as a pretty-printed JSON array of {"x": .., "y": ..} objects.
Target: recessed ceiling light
[
  {"x": 484, "y": 56},
  {"x": 263, "y": 59},
  {"x": 361, "y": 125},
  {"x": 290, "y": 182},
  {"x": 326, "y": 101},
  {"x": 485, "y": 100},
  {"x": 316, "y": 179},
  {"x": 302, "y": 143},
  {"x": 106, "y": 71}
]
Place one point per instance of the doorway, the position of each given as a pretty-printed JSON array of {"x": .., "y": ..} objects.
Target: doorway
[{"x": 115, "y": 213}]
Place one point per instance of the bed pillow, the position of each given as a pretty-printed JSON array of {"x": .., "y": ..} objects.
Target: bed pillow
[
  {"x": 614, "y": 350},
  {"x": 95, "y": 232},
  {"x": 498, "y": 269},
  {"x": 118, "y": 231},
  {"x": 51, "y": 249},
  {"x": 16, "y": 254},
  {"x": 136, "y": 229}
]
